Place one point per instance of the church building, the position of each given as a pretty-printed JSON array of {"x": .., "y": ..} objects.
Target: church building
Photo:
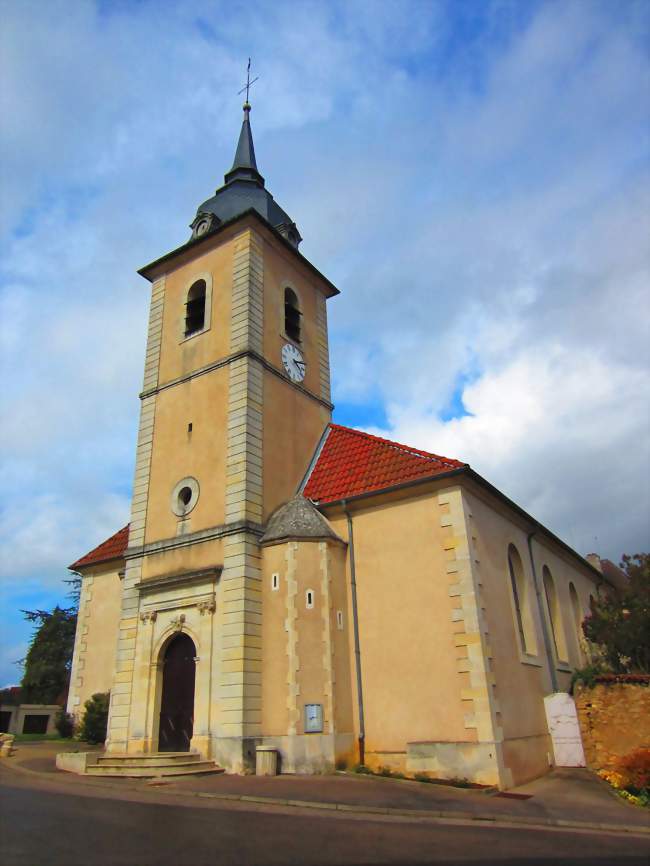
[{"x": 286, "y": 582}]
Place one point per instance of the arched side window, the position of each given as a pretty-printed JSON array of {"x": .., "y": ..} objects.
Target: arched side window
[
  {"x": 195, "y": 308},
  {"x": 292, "y": 315},
  {"x": 554, "y": 614},
  {"x": 577, "y": 617},
  {"x": 521, "y": 598}
]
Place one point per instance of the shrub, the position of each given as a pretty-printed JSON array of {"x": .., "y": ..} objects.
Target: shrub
[
  {"x": 361, "y": 768},
  {"x": 634, "y": 769},
  {"x": 64, "y": 723},
  {"x": 95, "y": 720},
  {"x": 587, "y": 675},
  {"x": 630, "y": 775}
]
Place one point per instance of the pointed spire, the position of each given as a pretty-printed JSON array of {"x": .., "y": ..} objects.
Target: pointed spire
[{"x": 244, "y": 166}]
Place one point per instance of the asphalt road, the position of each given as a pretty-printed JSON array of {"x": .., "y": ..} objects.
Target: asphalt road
[{"x": 41, "y": 826}]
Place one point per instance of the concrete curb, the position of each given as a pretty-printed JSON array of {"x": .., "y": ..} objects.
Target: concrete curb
[
  {"x": 422, "y": 815},
  {"x": 436, "y": 814}
]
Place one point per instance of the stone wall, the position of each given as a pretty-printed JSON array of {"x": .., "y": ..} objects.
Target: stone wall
[{"x": 614, "y": 719}]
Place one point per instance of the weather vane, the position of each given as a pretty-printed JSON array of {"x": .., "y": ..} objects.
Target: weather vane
[{"x": 247, "y": 86}]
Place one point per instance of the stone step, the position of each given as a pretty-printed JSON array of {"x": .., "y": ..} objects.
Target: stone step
[
  {"x": 153, "y": 759},
  {"x": 145, "y": 770}
]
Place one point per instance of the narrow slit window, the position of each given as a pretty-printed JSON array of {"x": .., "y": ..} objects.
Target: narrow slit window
[
  {"x": 292, "y": 315},
  {"x": 309, "y": 596},
  {"x": 195, "y": 308},
  {"x": 339, "y": 620},
  {"x": 275, "y": 581}
]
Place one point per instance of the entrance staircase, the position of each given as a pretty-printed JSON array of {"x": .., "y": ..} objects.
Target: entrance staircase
[{"x": 152, "y": 765}]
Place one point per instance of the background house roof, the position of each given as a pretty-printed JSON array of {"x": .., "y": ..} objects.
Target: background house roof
[{"x": 351, "y": 463}]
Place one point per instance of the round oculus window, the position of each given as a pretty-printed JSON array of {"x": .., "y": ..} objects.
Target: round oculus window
[{"x": 184, "y": 496}]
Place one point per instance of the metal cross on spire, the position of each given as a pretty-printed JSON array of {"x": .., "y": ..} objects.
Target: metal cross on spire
[{"x": 247, "y": 86}]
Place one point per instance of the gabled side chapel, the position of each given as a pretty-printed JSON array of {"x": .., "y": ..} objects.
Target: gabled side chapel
[{"x": 288, "y": 582}]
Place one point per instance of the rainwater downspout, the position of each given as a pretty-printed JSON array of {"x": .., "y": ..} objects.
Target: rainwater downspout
[
  {"x": 357, "y": 646},
  {"x": 550, "y": 660}
]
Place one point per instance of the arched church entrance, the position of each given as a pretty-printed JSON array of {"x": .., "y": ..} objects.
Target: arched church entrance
[{"x": 177, "y": 700}]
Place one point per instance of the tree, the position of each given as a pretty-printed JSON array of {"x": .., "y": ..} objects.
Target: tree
[
  {"x": 49, "y": 658},
  {"x": 620, "y": 622}
]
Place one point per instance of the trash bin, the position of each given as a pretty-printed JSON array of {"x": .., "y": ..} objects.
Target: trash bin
[{"x": 266, "y": 761}]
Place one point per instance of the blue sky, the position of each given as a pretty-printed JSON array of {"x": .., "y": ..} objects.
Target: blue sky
[{"x": 474, "y": 176}]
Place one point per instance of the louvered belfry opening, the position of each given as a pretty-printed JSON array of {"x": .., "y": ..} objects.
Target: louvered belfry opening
[
  {"x": 195, "y": 308},
  {"x": 291, "y": 315}
]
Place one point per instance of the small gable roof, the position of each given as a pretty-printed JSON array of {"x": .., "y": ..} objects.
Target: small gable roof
[
  {"x": 112, "y": 548},
  {"x": 351, "y": 463}
]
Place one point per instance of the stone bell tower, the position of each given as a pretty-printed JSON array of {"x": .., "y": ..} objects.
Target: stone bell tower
[{"x": 235, "y": 398}]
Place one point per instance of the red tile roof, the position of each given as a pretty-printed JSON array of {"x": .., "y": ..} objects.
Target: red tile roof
[
  {"x": 112, "y": 548},
  {"x": 352, "y": 462}
]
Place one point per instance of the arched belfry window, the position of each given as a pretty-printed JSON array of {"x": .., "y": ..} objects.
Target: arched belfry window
[
  {"x": 195, "y": 308},
  {"x": 291, "y": 315}
]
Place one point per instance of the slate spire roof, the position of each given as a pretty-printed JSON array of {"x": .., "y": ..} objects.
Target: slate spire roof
[
  {"x": 352, "y": 463},
  {"x": 244, "y": 189},
  {"x": 244, "y": 164}
]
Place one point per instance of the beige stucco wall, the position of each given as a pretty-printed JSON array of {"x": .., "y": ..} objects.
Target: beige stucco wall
[
  {"x": 411, "y": 684},
  {"x": 523, "y": 680},
  {"x": 186, "y": 557},
  {"x": 293, "y": 426},
  {"x": 275, "y": 670},
  {"x": 305, "y": 653},
  {"x": 93, "y": 662},
  {"x": 201, "y": 454},
  {"x": 282, "y": 270},
  {"x": 292, "y": 421},
  {"x": 180, "y": 356}
]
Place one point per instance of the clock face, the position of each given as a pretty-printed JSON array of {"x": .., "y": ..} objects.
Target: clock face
[{"x": 293, "y": 362}]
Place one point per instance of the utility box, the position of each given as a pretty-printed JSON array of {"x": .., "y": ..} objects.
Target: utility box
[{"x": 266, "y": 761}]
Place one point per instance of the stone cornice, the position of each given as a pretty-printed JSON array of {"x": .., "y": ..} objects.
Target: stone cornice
[
  {"x": 195, "y": 247},
  {"x": 194, "y": 538},
  {"x": 182, "y": 578},
  {"x": 228, "y": 359}
]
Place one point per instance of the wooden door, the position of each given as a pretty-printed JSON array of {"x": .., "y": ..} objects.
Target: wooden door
[{"x": 177, "y": 703}]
